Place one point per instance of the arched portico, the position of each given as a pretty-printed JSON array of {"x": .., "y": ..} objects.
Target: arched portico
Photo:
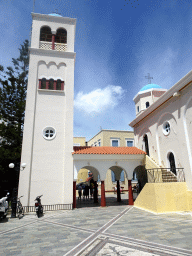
[{"x": 104, "y": 158}]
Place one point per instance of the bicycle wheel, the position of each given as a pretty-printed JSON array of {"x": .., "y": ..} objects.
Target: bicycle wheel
[{"x": 21, "y": 212}]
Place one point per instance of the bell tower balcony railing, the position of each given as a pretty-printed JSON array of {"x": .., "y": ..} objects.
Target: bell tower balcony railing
[{"x": 48, "y": 46}]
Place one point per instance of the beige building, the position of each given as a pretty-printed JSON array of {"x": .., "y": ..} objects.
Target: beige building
[
  {"x": 112, "y": 138},
  {"x": 79, "y": 141},
  {"x": 107, "y": 138}
]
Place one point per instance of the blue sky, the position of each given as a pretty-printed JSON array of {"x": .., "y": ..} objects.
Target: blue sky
[{"x": 117, "y": 43}]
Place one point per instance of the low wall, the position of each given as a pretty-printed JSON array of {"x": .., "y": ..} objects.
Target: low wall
[{"x": 165, "y": 197}]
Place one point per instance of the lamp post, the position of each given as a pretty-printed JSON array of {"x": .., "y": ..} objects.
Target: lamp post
[{"x": 15, "y": 188}]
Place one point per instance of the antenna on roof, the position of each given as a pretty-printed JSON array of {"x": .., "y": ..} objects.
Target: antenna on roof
[
  {"x": 149, "y": 78},
  {"x": 33, "y": 5}
]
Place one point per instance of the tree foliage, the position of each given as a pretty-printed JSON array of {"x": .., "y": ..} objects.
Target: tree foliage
[{"x": 13, "y": 86}]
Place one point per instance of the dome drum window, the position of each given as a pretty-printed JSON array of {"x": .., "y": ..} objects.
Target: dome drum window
[
  {"x": 147, "y": 104},
  {"x": 166, "y": 128},
  {"x": 51, "y": 84},
  {"x": 49, "y": 133}
]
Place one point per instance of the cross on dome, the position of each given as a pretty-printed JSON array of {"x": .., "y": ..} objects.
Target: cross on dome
[{"x": 149, "y": 78}]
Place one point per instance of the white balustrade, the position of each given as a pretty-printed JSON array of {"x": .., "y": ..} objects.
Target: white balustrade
[{"x": 48, "y": 46}]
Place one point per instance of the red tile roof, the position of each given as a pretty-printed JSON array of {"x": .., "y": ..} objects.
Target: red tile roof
[
  {"x": 110, "y": 151},
  {"x": 76, "y": 148}
]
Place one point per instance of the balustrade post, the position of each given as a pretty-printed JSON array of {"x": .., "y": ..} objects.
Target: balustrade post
[{"x": 53, "y": 42}]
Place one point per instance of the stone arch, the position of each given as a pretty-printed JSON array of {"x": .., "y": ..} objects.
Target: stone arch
[
  {"x": 117, "y": 171},
  {"x": 144, "y": 131},
  {"x": 92, "y": 170},
  {"x": 141, "y": 174}
]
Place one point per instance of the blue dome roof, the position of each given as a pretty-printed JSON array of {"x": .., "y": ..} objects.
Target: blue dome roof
[
  {"x": 150, "y": 86},
  {"x": 55, "y": 14}
]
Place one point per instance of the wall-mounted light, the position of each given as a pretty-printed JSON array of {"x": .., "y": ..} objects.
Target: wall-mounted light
[{"x": 176, "y": 94}]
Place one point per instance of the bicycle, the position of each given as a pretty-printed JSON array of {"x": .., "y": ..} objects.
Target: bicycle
[{"x": 20, "y": 210}]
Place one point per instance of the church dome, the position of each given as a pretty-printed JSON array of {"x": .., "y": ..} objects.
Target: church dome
[
  {"x": 55, "y": 14},
  {"x": 150, "y": 86}
]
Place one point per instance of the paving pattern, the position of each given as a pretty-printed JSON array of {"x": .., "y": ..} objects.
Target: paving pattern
[{"x": 113, "y": 230}]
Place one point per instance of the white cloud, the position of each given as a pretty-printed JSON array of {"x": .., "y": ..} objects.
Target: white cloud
[{"x": 99, "y": 99}]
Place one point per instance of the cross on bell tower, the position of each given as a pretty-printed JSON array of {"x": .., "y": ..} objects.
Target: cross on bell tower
[{"x": 149, "y": 78}]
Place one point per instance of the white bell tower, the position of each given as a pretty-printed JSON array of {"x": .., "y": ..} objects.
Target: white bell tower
[{"x": 48, "y": 128}]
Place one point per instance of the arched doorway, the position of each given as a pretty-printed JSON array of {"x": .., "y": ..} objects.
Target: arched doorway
[
  {"x": 87, "y": 184},
  {"x": 171, "y": 159},
  {"x": 140, "y": 174},
  {"x": 145, "y": 139},
  {"x": 121, "y": 193}
]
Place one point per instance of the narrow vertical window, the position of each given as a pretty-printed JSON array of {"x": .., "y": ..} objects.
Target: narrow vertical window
[
  {"x": 43, "y": 84},
  {"x": 58, "y": 85},
  {"x": 51, "y": 84},
  {"x": 147, "y": 104}
]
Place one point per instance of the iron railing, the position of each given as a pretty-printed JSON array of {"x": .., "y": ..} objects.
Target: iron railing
[
  {"x": 53, "y": 207},
  {"x": 157, "y": 175}
]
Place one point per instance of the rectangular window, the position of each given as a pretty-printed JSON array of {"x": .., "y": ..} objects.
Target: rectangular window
[
  {"x": 76, "y": 144},
  {"x": 129, "y": 142},
  {"x": 115, "y": 143},
  {"x": 99, "y": 143}
]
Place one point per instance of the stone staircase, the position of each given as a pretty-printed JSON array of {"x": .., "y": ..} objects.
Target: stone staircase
[{"x": 167, "y": 176}]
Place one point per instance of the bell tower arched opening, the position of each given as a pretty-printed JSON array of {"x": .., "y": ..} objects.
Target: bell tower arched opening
[
  {"x": 61, "y": 36},
  {"x": 45, "y": 34}
]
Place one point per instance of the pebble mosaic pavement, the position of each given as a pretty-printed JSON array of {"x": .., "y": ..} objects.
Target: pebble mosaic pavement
[{"x": 98, "y": 231}]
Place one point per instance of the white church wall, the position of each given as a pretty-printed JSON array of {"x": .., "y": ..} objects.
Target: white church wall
[{"x": 161, "y": 145}]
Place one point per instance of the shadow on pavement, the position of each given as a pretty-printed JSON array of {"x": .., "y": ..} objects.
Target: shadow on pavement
[{"x": 110, "y": 201}]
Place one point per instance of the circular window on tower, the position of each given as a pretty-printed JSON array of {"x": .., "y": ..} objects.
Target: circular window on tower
[
  {"x": 49, "y": 133},
  {"x": 166, "y": 128}
]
